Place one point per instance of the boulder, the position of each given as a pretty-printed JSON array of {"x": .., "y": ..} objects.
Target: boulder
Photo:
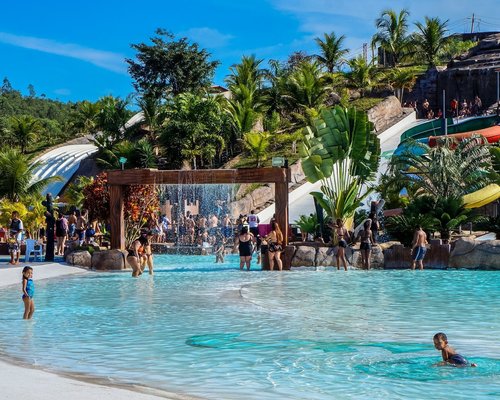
[
  {"x": 109, "y": 260},
  {"x": 304, "y": 257},
  {"x": 80, "y": 258},
  {"x": 384, "y": 113},
  {"x": 326, "y": 256},
  {"x": 296, "y": 173},
  {"x": 475, "y": 254}
]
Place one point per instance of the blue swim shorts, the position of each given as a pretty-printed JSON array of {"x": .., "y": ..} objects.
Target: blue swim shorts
[{"x": 419, "y": 253}]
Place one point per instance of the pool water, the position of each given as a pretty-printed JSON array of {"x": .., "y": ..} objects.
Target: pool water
[{"x": 213, "y": 331}]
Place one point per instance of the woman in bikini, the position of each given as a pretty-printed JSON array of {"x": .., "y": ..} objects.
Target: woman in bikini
[
  {"x": 366, "y": 243},
  {"x": 274, "y": 240},
  {"x": 342, "y": 236}
]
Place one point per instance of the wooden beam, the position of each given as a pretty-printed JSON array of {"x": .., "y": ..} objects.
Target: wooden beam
[
  {"x": 116, "y": 217},
  {"x": 281, "y": 208},
  {"x": 199, "y": 176}
]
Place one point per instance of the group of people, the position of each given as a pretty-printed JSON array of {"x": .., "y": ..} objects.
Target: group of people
[{"x": 464, "y": 108}]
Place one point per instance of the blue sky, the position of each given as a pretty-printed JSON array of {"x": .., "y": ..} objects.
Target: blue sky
[{"x": 75, "y": 50}]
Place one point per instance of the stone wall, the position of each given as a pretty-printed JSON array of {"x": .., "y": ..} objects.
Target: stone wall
[{"x": 385, "y": 113}]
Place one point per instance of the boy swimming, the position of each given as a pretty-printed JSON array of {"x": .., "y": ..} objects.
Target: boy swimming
[{"x": 450, "y": 356}]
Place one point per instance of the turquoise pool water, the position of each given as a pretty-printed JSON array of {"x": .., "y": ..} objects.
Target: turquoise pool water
[{"x": 213, "y": 331}]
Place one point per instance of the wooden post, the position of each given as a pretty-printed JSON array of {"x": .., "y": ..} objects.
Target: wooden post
[{"x": 117, "y": 218}]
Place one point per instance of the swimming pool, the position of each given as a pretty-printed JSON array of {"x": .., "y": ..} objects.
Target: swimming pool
[{"x": 213, "y": 331}]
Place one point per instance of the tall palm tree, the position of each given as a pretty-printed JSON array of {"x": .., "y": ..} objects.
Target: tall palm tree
[
  {"x": 155, "y": 114},
  {"x": 430, "y": 40},
  {"x": 332, "y": 51},
  {"x": 16, "y": 175},
  {"x": 86, "y": 116},
  {"x": 23, "y": 130},
  {"x": 392, "y": 34},
  {"x": 247, "y": 101}
]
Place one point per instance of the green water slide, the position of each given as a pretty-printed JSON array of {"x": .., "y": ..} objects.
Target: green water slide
[{"x": 434, "y": 127}]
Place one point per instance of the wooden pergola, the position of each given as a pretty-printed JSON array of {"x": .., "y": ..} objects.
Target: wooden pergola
[{"x": 118, "y": 179}]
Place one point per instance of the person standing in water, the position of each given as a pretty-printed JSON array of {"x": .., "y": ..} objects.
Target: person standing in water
[
  {"x": 28, "y": 292},
  {"x": 366, "y": 237},
  {"x": 275, "y": 241},
  {"x": 342, "y": 236},
  {"x": 419, "y": 248},
  {"x": 244, "y": 241}
]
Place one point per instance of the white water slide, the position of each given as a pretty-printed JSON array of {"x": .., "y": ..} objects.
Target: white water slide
[{"x": 64, "y": 162}]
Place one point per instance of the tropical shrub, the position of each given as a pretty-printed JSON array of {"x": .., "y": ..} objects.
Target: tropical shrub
[
  {"x": 342, "y": 152},
  {"x": 307, "y": 224},
  {"x": 139, "y": 203}
]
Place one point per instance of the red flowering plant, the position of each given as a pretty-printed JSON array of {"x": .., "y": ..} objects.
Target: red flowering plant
[{"x": 140, "y": 202}]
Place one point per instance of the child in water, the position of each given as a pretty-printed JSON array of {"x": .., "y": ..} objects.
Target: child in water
[
  {"x": 28, "y": 292},
  {"x": 450, "y": 356}
]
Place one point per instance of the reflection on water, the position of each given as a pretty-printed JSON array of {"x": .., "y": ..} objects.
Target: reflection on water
[{"x": 214, "y": 331}]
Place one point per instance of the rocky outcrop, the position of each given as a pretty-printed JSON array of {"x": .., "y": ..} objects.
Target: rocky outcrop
[
  {"x": 304, "y": 256},
  {"x": 475, "y": 254},
  {"x": 80, "y": 258},
  {"x": 384, "y": 113},
  {"x": 109, "y": 260}
]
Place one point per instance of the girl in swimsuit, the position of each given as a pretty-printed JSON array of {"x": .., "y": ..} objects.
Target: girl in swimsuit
[
  {"x": 28, "y": 292},
  {"x": 366, "y": 243},
  {"x": 245, "y": 247},
  {"x": 342, "y": 235},
  {"x": 137, "y": 255},
  {"x": 275, "y": 239}
]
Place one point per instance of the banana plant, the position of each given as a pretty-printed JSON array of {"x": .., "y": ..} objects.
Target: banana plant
[{"x": 340, "y": 150}]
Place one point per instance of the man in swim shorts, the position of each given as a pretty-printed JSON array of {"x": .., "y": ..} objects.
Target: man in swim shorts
[{"x": 419, "y": 248}]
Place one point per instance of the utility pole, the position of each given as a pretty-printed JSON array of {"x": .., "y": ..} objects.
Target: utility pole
[
  {"x": 472, "y": 24},
  {"x": 365, "y": 52}
]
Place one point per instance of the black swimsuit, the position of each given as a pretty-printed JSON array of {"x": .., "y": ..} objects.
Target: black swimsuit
[{"x": 245, "y": 248}]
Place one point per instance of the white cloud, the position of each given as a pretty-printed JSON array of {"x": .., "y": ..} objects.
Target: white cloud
[
  {"x": 207, "y": 37},
  {"x": 104, "y": 59},
  {"x": 317, "y": 16}
]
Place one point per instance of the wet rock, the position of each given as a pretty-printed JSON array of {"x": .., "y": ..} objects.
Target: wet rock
[
  {"x": 304, "y": 256},
  {"x": 109, "y": 260},
  {"x": 475, "y": 254},
  {"x": 326, "y": 256},
  {"x": 80, "y": 258}
]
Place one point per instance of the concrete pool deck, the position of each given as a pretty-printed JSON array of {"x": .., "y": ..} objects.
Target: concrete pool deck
[{"x": 21, "y": 381}]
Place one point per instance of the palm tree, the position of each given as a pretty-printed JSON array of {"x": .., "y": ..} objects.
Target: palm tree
[
  {"x": 86, "y": 116},
  {"x": 392, "y": 34},
  {"x": 23, "y": 130},
  {"x": 307, "y": 87},
  {"x": 155, "y": 114},
  {"x": 450, "y": 169},
  {"x": 16, "y": 175},
  {"x": 257, "y": 144},
  {"x": 430, "y": 40},
  {"x": 401, "y": 79},
  {"x": 362, "y": 75},
  {"x": 332, "y": 51}
]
